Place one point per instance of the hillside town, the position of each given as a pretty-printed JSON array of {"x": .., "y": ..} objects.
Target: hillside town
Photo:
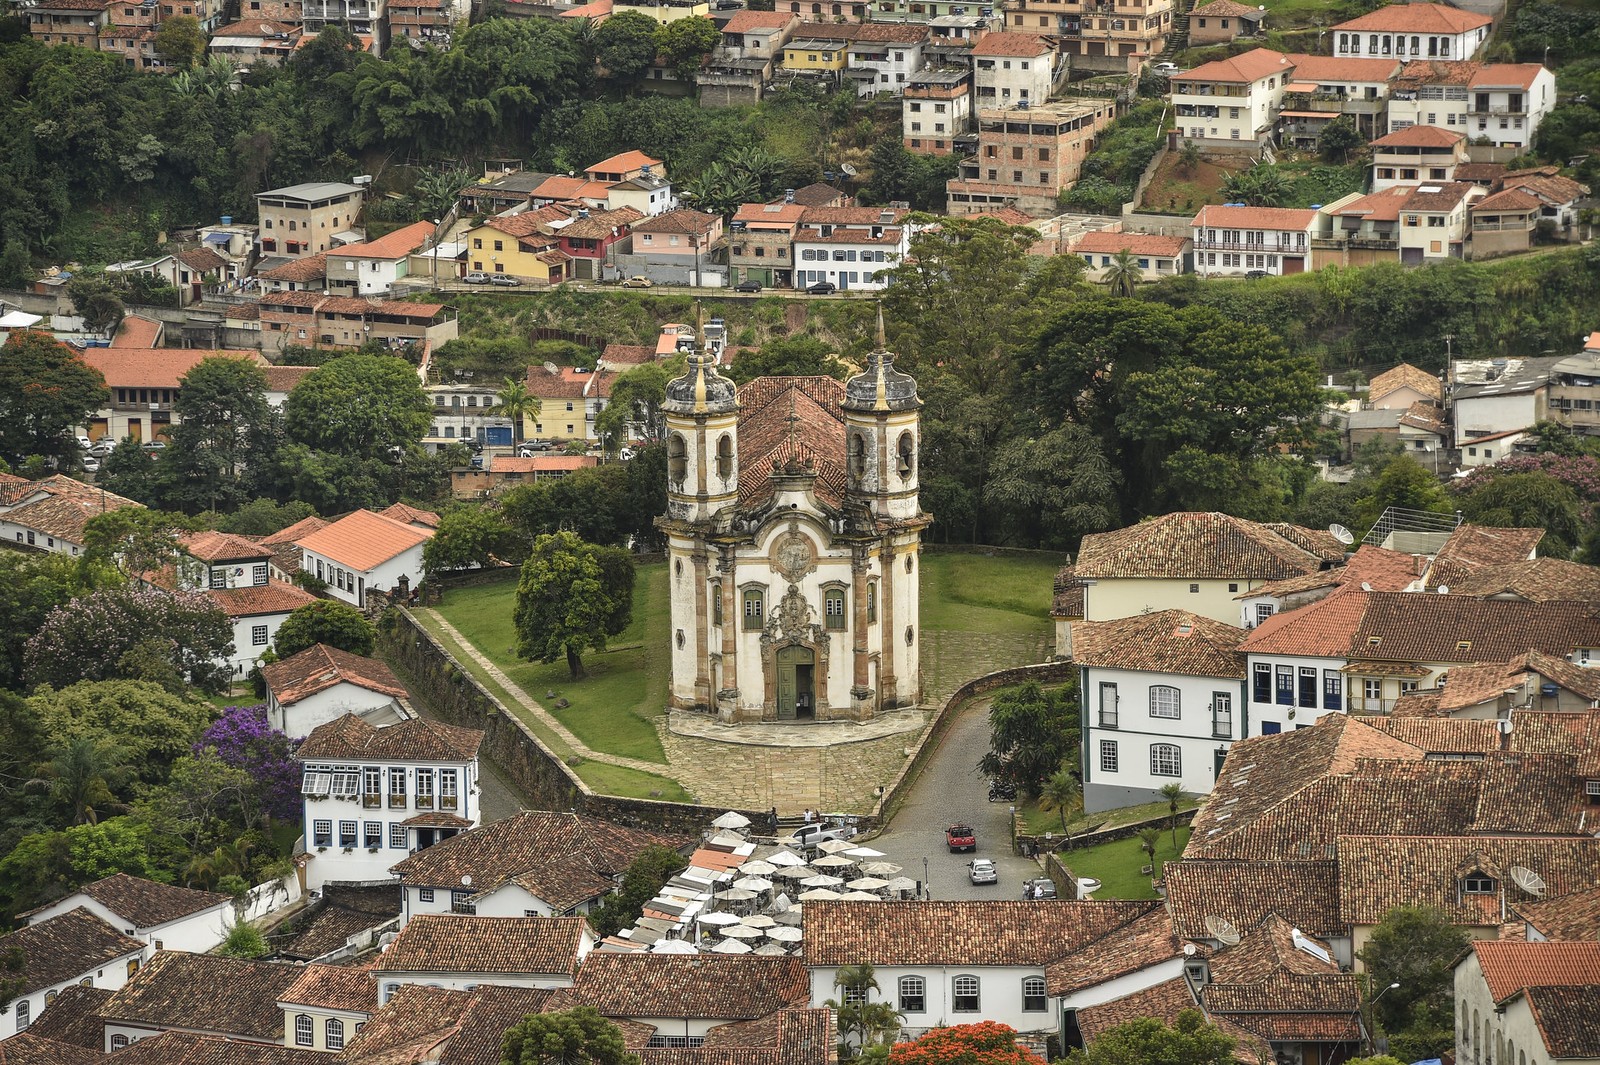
[{"x": 773, "y": 532}]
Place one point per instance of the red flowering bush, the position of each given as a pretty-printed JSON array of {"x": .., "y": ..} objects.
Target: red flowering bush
[{"x": 986, "y": 1043}]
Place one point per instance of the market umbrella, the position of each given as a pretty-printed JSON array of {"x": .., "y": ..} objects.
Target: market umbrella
[
  {"x": 719, "y": 918},
  {"x": 743, "y": 931},
  {"x": 731, "y": 819},
  {"x": 833, "y": 846},
  {"x": 785, "y": 858},
  {"x": 793, "y": 916},
  {"x": 860, "y": 896},
  {"x": 731, "y": 946},
  {"x": 757, "y": 867},
  {"x": 862, "y": 852},
  {"x": 752, "y": 883},
  {"x": 902, "y": 883},
  {"x": 771, "y": 950},
  {"x": 737, "y": 895},
  {"x": 821, "y": 881},
  {"x": 723, "y": 839},
  {"x": 796, "y": 872},
  {"x": 759, "y": 920},
  {"x": 833, "y": 861},
  {"x": 879, "y": 868},
  {"x": 819, "y": 894},
  {"x": 784, "y": 934},
  {"x": 673, "y": 946},
  {"x": 867, "y": 883}
]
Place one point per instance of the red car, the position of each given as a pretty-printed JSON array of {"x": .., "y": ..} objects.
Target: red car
[{"x": 961, "y": 838}]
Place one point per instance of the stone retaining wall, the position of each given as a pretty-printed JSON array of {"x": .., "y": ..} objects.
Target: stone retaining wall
[
  {"x": 438, "y": 680},
  {"x": 1104, "y": 835}
]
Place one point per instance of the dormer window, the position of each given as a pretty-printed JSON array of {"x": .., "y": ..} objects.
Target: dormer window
[
  {"x": 1591, "y": 789},
  {"x": 1477, "y": 884},
  {"x": 1373, "y": 641},
  {"x": 1463, "y": 645},
  {"x": 219, "y": 578}
]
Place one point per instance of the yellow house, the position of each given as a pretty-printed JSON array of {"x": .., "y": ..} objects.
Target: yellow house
[
  {"x": 664, "y": 11},
  {"x": 809, "y": 53},
  {"x": 516, "y": 245}
]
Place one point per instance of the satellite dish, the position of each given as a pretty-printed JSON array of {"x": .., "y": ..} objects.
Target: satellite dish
[
  {"x": 1222, "y": 930},
  {"x": 1444, "y": 589},
  {"x": 1341, "y": 534},
  {"x": 849, "y": 171},
  {"x": 466, "y": 879},
  {"x": 1527, "y": 880},
  {"x": 1366, "y": 586},
  {"x": 1188, "y": 950},
  {"x": 552, "y": 369}
]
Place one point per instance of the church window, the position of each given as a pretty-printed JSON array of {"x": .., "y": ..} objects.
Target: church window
[
  {"x": 833, "y": 608},
  {"x": 907, "y": 449},
  {"x": 716, "y": 604},
  {"x": 682, "y": 639},
  {"x": 908, "y": 563},
  {"x": 754, "y": 608},
  {"x": 725, "y": 456},
  {"x": 872, "y": 602},
  {"x": 677, "y": 458},
  {"x": 677, "y": 568},
  {"x": 858, "y": 458}
]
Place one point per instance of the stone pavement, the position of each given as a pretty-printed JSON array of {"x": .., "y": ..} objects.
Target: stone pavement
[{"x": 790, "y": 734}]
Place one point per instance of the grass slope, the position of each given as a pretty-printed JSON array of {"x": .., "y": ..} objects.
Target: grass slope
[
  {"x": 981, "y": 613},
  {"x": 1117, "y": 865}
]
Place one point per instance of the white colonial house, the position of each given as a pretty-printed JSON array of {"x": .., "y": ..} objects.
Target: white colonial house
[
  {"x": 373, "y": 267},
  {"x": 1232, "y": 102},
  {"x": 373, "y": 795},
  {"x": 237, "y": 574},
  {"x": 49, "y": 515},
  {"x": 1294, "y": 663},
  {"x": 1161, "y": 699},
  {"x": 1246, "y": 241},
  {"x": 1411, "y": 31},
  {"x": 326, "y": 1006},
  {"x": 849, "y": 247},
  {"x": 1518, "y": 1001},
  {"x": 322, "y": 684},
  {"x": 75, "y": 947},
  {"x": 534, "y": 863},
  {"x": 363, "y": 552},
  {"x": 460, "y": 952},
  {"x": 164, "y": 916}
]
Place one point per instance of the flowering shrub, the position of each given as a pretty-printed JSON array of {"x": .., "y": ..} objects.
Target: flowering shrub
[
  {"x": 133, "y": 634},
  {"x": 243, "y": 739},
  {"x": 986, "y": 1043},
  {"x": 1581, "y": 473}
]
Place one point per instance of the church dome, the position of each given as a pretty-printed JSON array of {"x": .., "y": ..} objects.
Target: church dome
[
  {"x": 881, "y": 387},
  {"x": 701, "y": 390}
]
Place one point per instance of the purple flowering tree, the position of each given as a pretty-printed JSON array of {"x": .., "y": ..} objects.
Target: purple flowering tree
[
  {"x": 129, "y": 633},
  {"x": 243, "y": 739}
]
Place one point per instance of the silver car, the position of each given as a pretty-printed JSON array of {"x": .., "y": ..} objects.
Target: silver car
[{"x": 982, "y": 871}]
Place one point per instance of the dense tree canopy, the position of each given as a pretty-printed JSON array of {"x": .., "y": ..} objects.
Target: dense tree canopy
[
  {"x": 326, "y": 621},
  {"x": 45, "y": 389},
  {"x": 171, "y": 638},
  {"x": 572, "y": 596},
  {"x": 359, "y": 406},
  {"x": 1033, "y": 734}
]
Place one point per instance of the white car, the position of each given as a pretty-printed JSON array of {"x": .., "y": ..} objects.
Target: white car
[
  {"x": 813, "y": 834},
  {"x": 91, "y": 464},
  {"x": 85, "y": 443},
  {"x": 982, "y": 871},
  {"x": 1166, "y": 70}
]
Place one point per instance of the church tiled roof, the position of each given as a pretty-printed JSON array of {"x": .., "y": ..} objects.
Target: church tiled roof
[{"x": 786, "y": 422}]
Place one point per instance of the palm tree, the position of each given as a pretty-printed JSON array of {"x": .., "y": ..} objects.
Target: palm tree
[
  {"x": 1123, "y": 273},
  {"x": 1148, "y": 838},
  {"x": 516, "y": 403},
  {"x": 862, "y": 1022},
  {"x": 1173, "y": 793},
  {"x": 1061, "y": 793},
  {"x": 80, "y": 776}
]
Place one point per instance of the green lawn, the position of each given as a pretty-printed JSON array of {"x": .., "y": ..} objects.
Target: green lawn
[
  {"x": 614, "y": 708},
  {"x": 1118, "y": 865},
  {"x": 616, "y": 780},
  {"x": 987, "y": 593},
  {"x": 1036, "y": 821}
]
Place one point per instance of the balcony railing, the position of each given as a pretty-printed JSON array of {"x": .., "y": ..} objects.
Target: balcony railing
[
  {"x": 1497, "y": 109},
  {"x": 424, "y": 802},
  {"x": 1362, "y": 705},
  {"x": 447, "y": 802},
  {"x": 1272, "y": 248},
  {"x": 397, "y": 802},
  {"x": 372, "y": 800}
]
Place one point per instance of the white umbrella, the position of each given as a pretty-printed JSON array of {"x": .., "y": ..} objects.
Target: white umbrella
[
  {"x": 758, "y": 867},
  {"x": 743, "y": 931},
  {"x": 793, "y": 916},
  {"x": 797, "y": 872},
  {"x": 833, "y": 861},
  {"x": 867, "y": 883},
  {"x": 673, "y": 946},
  {"x": 723, "y": 839},
  {"x": 782, "y": 858},
  {"x": 731, "y": 819},
  {"x": 833, "y": 846},
  {"x": 863, "y": 852},
  {"x": 821, "y": 881},
  {"x": 819, "y": 894},
  {"x": 753, "y": 883},
  {"x": 759, "y": 920},
  {"x": 719, "y": 918},
  {"x": 902, "y": 883},
  {"x": 737, "y": 895},
  {"x": 784, "y": 934},
  {"x": 770, "y": 950},
  {"x": 860, "y": 896},
  {"x": 731, "y": 946},
  {"x": 879, "y": 868}
]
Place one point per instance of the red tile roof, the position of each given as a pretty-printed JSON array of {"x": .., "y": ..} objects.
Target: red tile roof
[
  {"x": 413, "y": 740},
  {"x": 705, "y": 986},
  {"x": 458, "y": 943},
  {"x": 1417, "y": 18},
  {"x": 155, "y": 367},
  {"x": 1405, "y": 375},
  {"x": 284, "y": 378},
  {"x": 65, "y": 947},
  {"x": 74, "y": 1018},
  {"x": 311, "y": 268},
  {"x": 1025, "y": 45},
  {"x": 623, "y": 162},
  {"x": 1282, "y": 218},
  {"x": 1510, "y": 967},
  {"x": 1513, "y": 201},
  {"x": 1250, "y": 67},
  {"x": 1169, "y": 641},
  {"x": 137, "y": 331},
  {"x": 1568, "y": 1020},
  {"x": 1191, "y": 545},
  {"x": 1246, "y": 892},
  {"x": 1145, "y": 941},
  {"x": 754, "y": 21},
  {"x": 769, "y": 441},
  {"x": 274, "y": 597},
  {"x": 396, "y": 245},
  {"x": 363, "y": 540},
  {"x": 188, "y": 1048},
  {"x": 1321, "y": 630},
  {"x": 771, "y": 213},
  {"x": 540, "y": 463},
  {"x": 31, "y": 1048},
  {"x": 230, "y": 996},
  {"x": 211, "y": 546},
  {"x": 568, "y": 383},
  {"x": 146, "y": 903},
  {"x": 410, "y": 515},
  {"x": 1419, "y": 137},
  {"x": 1104, "y": 243},
  {"x": 683, "y": 220},
  {"x": 321, "y": 667},
  {"x": 1323, "y": 69},
  {"x": 334, "y": 987}
]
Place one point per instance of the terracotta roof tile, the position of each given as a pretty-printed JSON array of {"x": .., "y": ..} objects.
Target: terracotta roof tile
[
  {"x": 395, "y": 245},
  {"x": 853, "y": 216},
  {"x": 1385, "y": 570},
  {"x": 137, "y": 331},
  {"x": 65, "y": 947},
  {"x": 1575, "y": 916},
  {"x": 1103, "y": 243},
  {"x": 1568, "y": 1019},
  {"x": 1440, "y": 196},
  {"x": 363, "y": 540},
  {"x": 753, "y": 21},
  {"x": 415, "y": 1021},
  {"x": 211, "y": 546},
  {"x": 1473, "y": 546},
  {"x": 562, "y": 858},
  {"x": 1191, "y": 545},
  {"x": 629, "y": 354},
  {"x": 74, "y": 1017},
  {"x": 1326, "y": 68},
  {"x": 300, "y": 529},
  {"x": 623, "y": 162},
  {"x": 1536, "y": 580},
  {"x": 958, "y": 933},
  {"x": 1249, "y": 67},
  {"x": 705, "y": 987},
  {"x": 788, "y": 214},
  {"x": 1320, "y": 630},
  {"x": 1406, "y": 627},
  {"x": 414, "y": 740},
  {"x": 1405, "y": 376},
  {"x": 1417, "y": 18},
  {"x": 769, "y": 441},
  {"x": 1551, "y": 188},
  {"x": 32, "y": 1048},
  {"x": 1508, "y": 200},
  {"x": 204, "y": 260},
  {"x": 1169, "y": 641},
  {"x": 1009, "y": 215},
  {"x": 1244, "y": 893},
  {"x": 1531, "y": 794},
  {"x": 1025, "y": 45},
  {"x": 155, "y": 367},
  {"x": 213, "y": 994},
  {"x": 540, "y": 463},
  {"x": 1227, "y": 9},
  {"x": 321, "y": 667},
  {"x": 682, "y": 220},
  {"x": 274, "y": 597},
  {"x": 341, "y": 913},
  {"x": 145, "y": 903},
  {"x": 187, "y": 1048},
  {"x": 1145, "y": 941},
  {"x": 1441, "y": 735},
  {"x": 1067, "y": 594},
  {"x": 1281, "y": 218},
  {"x": 568, "y": 383},
  {"x": 1510, "y": 967},
  {"x": 1164, "y": 1002},
  {"x": 311, "y": 268},
  {"x": 410, "y": 515},
  {"x": 458, "y": 943},
  {"x": 1420, "y": 137},
  {"x": 284, "y": 378},
  {"x": 334, "y": 987}
]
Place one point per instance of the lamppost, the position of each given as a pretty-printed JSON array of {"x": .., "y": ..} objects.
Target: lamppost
[
  {"x": 925, "y": 892},
  {"x": 1369, "y": 1020}
]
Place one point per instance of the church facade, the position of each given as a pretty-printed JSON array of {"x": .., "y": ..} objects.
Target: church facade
[{"x": 793, "y": 543}]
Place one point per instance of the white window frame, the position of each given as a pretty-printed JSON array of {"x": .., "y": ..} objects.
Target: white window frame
[
  {"x": 304, "y": 1030},
  {"x": 1166, "y": 760},
  {"x": 1160, "y": 696},
  {"x": 958, "y": 992}
]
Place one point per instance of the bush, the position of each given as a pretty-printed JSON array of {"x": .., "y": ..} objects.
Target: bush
[{"x": 244, "y": 941}]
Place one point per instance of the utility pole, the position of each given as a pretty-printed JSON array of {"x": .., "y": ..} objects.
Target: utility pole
[{"x": 1448, "y": 338}]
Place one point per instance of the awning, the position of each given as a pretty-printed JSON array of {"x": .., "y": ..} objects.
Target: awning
[
  {"x": 217, "y": 238},
  {"x": 19, "y": 320}
]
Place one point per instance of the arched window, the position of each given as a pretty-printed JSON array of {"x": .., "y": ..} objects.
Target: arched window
[
  {"x": 677, "y": 458},
  {"x": 907, "y": 451},
  {"x": 119, "y": 1042},
  {"x": 334, "y": 1032},
  {"x": 1166, "y": 760},
  {"x": 24, "y": 1008},
  {"x": 51, "y": 996},
  {"x": 913, "y": 994},
  {"x": 303, "y": 1030},
  {"x": 1164, "y": 701},
  {"x": 389, "y": 991},
  {"x": 1033, "y": 997},
  {"x": 754, "y": 607},
  {"x": 833, "y": 607},
  {"x": 725, "y": 456},
  {"x": 872, "y": 602},
  {"x": 964, "y": 994},
  {"x": 858, "y": 457}
]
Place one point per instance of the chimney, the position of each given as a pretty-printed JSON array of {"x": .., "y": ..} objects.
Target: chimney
[{"x": 788, "y": 195}]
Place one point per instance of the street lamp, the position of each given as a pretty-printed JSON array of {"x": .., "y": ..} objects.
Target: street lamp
[
  {"x": 925, "y": 892},
  {"x": 1369, "y": 1019}
]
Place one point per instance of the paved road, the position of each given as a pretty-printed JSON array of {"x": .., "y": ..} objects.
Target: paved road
[{"x": 951, "y": 789}]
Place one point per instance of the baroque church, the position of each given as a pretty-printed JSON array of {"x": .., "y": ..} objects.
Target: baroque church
[{"x": 793, "y": 533}]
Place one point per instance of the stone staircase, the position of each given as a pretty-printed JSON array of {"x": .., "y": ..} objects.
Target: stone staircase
[{"x": 1178, "y": 39}]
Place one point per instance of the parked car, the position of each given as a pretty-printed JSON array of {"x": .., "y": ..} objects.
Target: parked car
[
  {"x": 102, "y": 447},
  {"x": 1041, "y": 887},
  {"x": 91, "y": 464},
  {"x": 822, "y": 288},
  {"x": 154, "y": 445},
  {"x": 1002, "y": 791},
  {"x": 747, "y": 286},
  {"x": 960, "y": 837},
  {"x": 504, "y": 280},
  {"x": 85, "y": 443},
  {"x": 638, "y": 281},
  {"x": 982, "y": 871},
  {"x": 811, "y": 835},
  {"x": 729, "y": 5},
  {"x": 476, "y": 278},
  {"x": 1167, "y": 69},
  {"x": 531, "y": 448}
]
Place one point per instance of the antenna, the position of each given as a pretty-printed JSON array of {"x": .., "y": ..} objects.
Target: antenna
[
  {"x": 1527, "y": 880},
  {"x": 1341, "y": 534},
  {"x": 1222, "y": 930}
]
